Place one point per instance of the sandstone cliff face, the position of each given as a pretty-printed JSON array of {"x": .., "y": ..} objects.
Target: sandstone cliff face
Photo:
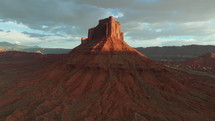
[
  {"x": 106, "y": 37},
  {"x": 106, "y": 29}
]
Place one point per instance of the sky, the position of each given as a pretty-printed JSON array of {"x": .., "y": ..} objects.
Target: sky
[{"x": 62, "y": 23}]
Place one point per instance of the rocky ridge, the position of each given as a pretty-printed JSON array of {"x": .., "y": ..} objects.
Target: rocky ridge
[{"x": 204, "y": 63}]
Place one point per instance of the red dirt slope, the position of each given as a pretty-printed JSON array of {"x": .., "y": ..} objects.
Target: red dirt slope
[
  {"x": 14, "y": 63},
  {"x": 104, "y": 79}
]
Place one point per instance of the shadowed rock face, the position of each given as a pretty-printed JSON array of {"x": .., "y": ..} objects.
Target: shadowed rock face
[{"x": 105, "y": 79}]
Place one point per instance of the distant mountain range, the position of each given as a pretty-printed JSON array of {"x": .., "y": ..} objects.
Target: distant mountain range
[
  {"x": 15, "y": 47},
  {"x": 174, "y": 53}
]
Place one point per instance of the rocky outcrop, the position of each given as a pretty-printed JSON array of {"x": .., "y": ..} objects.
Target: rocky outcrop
[
  {"x": 84, "y": 40},
  {"x": 2, "y": 50},
  {"x": 106, "y": 37},
  {"x": 107, "y": 28},
  {"x": 210, "y": 55}
]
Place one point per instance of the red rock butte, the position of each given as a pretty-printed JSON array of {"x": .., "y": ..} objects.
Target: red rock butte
[
  {"x": 107, "y": 28},
  {"x": 106, "y": 37}
]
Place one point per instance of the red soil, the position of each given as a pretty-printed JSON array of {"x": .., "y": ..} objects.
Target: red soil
[{"x": 106, "y": 80}]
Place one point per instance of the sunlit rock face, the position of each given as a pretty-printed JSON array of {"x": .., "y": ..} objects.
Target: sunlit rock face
[{"x": 107, "y": 28}]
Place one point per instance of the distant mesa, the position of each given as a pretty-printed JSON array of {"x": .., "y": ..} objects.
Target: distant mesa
[{"x": 106, "y": 37}]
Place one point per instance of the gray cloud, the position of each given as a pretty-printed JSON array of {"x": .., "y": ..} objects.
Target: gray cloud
[
  {"x": 36, "y": 13},
  {"x": 162, "y": 10},
  {"x": 146, "y": 31},
  {"x": 36, "y": 34},
  {"x": 4, "y": 31},
  {"x": 142, "y": 19}
]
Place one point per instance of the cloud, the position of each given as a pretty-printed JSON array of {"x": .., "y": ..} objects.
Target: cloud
[
  {"x": 17, "y": 42},
  {"x": 158, "y": 10},
  {"x": 143, "y": 21},
  {"x": 37, "y": 35},
  {"x": 58, "y": 42},
  {"x": 147, "y": 20},
  {"x": 14, "y": 36},
  {"x": 149, "y": 31},
  {"x": 40, "y": 13}
]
